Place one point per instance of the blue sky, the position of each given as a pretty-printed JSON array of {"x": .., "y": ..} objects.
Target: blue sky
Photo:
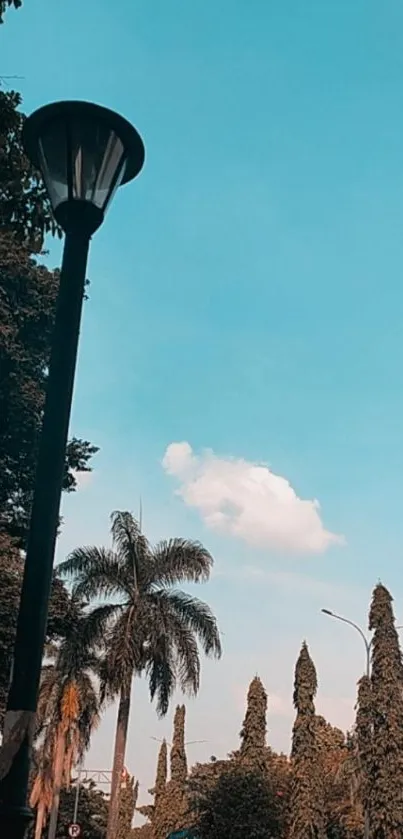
[{"x": 246, "y": 297}]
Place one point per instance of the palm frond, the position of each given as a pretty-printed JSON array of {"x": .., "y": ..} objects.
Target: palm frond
[
  {"x": 121, "y": 657},
  {"x": 195, "y": 615},
  {"x": 131, "y": 545},
  {"x": 95, "y": 626},
  {"x": 96, "y": 572},
  {"x": 161, "y": 675},
  {"x": 180, "y": 560},
  {"x": 166, "y": 627}
]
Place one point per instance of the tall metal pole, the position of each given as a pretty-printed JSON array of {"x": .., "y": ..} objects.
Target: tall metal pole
[
  {"x": 368, "y": 646},
  {"x": 77, "y": 796},
  {"x": 15, "y": 814}
]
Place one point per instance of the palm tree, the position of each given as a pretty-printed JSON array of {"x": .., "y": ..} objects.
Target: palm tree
[
  {"x": 148, "y": 626},
  {"x": 68, "y": 712}
]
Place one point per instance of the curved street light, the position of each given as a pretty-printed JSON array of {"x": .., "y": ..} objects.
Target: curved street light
[
  {"x": 368, "y": 647},
  {"x": 84, "y": 152},
  {"x": 367, "y": 643}
]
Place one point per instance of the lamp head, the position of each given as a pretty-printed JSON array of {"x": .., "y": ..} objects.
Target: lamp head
[{"x": 84, "y": 152}]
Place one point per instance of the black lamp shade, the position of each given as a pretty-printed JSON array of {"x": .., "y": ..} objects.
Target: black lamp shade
[{"x": 84, "y": 152}]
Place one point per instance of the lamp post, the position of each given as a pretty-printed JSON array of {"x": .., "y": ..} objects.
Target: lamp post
[
  {"x": 368, "y": 648},
  {"x": 85, "y": 152}
]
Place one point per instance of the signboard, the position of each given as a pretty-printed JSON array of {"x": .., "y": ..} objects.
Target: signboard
[{"x": 74, "y": 831}]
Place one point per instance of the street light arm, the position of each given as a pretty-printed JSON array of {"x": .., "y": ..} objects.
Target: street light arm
[
  {"x": 367, "y": 644},
  {"x": 354, "y": 625}
]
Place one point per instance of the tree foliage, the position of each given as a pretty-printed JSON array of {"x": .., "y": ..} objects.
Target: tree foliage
[
  {"x": 92, "y": 812},
  {"x": 28, "y": 292},
  {"x": 127, "y": 805},
  {"x": 148, "y": 626},
  {"x": 239, "y": 804},
  {"x": 386, "y": 699},
  {"x": 5, "y": 4},
  {"x": 179, "y": 769},
  {"x": 60, "y": 618},
  {"x": 170, "y": 810},
  {"x": 253, "y": 752},
  {"x": 25, "y": 209},
  {"x": 162, "y": 772},
  {"x": 307, "y": 819},
  {"x": 67, "y": 712},
  {"x": 363, "y": 742}
]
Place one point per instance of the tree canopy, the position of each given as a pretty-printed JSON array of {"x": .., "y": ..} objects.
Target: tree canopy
[
  {"x": 146, "y": 626},
  {"x": 239, "y": 804},
  {"x": 5, "y": 4},
  {"x": 61, "y": 615},
  {"x": 307, "y": 820},
  {"x": 386, "y": 702},
  {"x": 253, "y": 751}
]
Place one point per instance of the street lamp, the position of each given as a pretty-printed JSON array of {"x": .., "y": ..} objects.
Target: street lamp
[
  {"x": 368, "y": 643},
  {"x": 368, "y": 647},
  {"x": 84, "y": 152}
]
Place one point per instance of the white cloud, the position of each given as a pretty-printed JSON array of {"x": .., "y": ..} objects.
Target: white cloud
[{"x": 248, "y": 501}]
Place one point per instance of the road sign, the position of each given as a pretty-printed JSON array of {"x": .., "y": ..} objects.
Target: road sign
[{"x": 74, "y": 831}]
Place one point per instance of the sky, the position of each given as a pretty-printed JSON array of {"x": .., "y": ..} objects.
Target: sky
[{"x": 241, "y": 352}]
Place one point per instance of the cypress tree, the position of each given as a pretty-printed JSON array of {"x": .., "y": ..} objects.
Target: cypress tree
[
  {"x": 306, "y": 819},
  {"x": 162, "y": 772},
  {"x": 386, "y": 780},
  {"x": 179, "y": 769},
  {"x": 253, "y": 752},
  {"x": 127, "y": 805},
  {"x": 171, "y": 807},
  {"x": 151, "y": 811},
  {"x": 363, "y": 743}
]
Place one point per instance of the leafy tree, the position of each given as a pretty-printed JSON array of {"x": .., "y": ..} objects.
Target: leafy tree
[
  {"x": 364, "y": 744},
  {"x": 255, "y": 757},
  {"x": 68, "y": 712},
  {"x": 145, "y": 831},
  {"x": 162, "y": 773},
  {"x": 92, "y": 811},
  {"x": 171, "y": 809},
  {"x": 347, "y": 817},
  {"x": 28, "y": 294},
  {"x": 4, "y": 4},
  {"x": 151, "y": 811},
  {"x": 127, "y": 805},
  {"x": 61, "y": 611},
  {"x": 149, "y": 626},
  {"x": 179, "y": 769},
  {"x": 386, "y": 778},
  {"x": 25, "y": 209},
  {"x": 253, "y": 751},
  {"x": 306, "y": 794},
  {"x": 240, "y": 804},
  {"x": 339, "y": 803}
]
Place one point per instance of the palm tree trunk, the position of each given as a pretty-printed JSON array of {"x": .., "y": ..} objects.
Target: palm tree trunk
[
  {"x": 118, "y": 760},
  {"x": 57, "y": 784},
  {"x": 40, "y": 817}
]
